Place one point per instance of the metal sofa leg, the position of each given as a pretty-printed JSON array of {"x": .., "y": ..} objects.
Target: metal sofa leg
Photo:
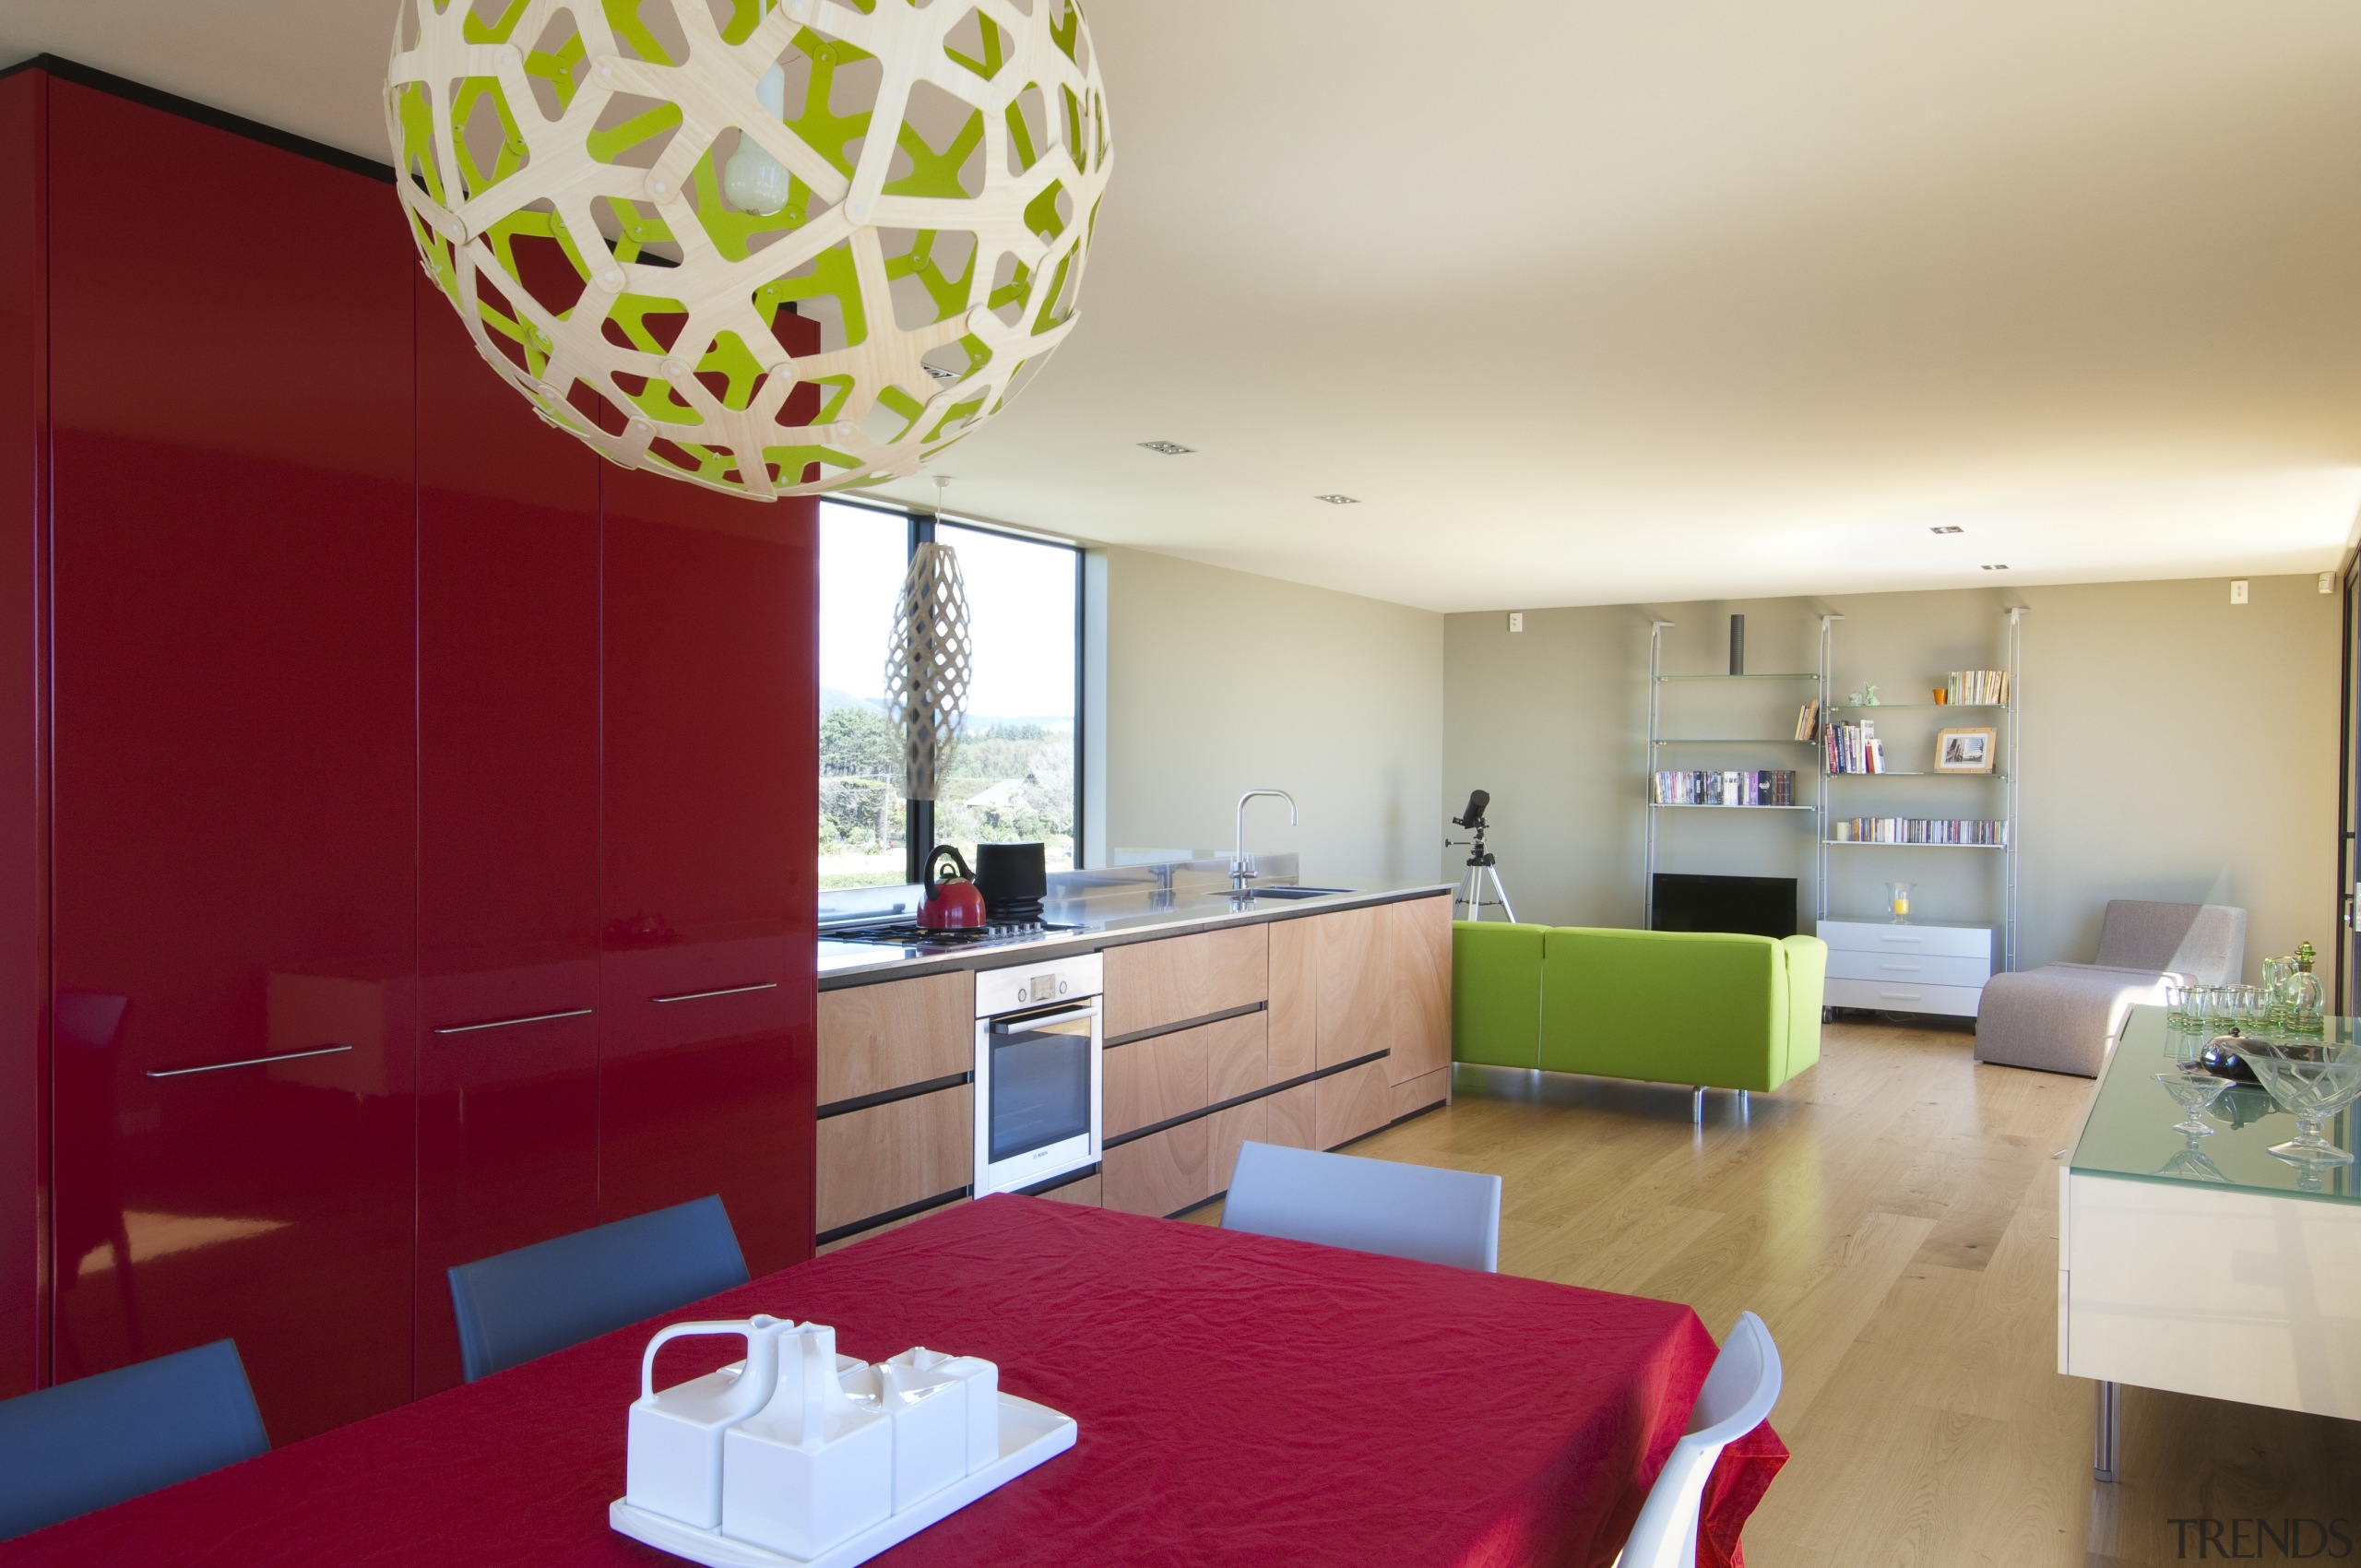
[{"x": 1697, "y": 1106}]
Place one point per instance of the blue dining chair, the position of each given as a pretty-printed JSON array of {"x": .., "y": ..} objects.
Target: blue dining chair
[
  {"x": 1370, "y": 1205},
  {"x": 98, "y": 1440},
  {"x": 527, "y": 1303}
]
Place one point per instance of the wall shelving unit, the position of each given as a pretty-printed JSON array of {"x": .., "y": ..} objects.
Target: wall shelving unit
[
  {"x": 2009, "y": 775},
  {"x": 1815, "y": 810}
]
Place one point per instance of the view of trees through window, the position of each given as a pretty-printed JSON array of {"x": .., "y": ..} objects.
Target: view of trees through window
[{"x": 1014, "y": 776}]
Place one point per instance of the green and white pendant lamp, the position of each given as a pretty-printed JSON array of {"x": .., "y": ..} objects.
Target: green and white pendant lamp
[{"x": 771, "y": 246}]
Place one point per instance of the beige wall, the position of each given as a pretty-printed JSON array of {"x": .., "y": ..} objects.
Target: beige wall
[
  {"x": 1215, "y": 681},
  {"x": 2176, "y": 747}
]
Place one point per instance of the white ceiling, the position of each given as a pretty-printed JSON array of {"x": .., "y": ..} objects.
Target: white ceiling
[{"x": 1643, "y": 301}]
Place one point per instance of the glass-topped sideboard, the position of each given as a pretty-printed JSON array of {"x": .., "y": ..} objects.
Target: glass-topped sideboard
[
  {"x": 2129, "y": 1132},
  {"x": 2205, "y": 1265}
]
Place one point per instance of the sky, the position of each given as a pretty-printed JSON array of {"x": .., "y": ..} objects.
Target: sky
[{"x": 1020, "y": 603}]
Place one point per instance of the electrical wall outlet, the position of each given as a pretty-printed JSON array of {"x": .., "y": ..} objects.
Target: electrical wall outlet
[
  {"x": 1516, "y": 620},
  {"x": 2237, "y": 590}
]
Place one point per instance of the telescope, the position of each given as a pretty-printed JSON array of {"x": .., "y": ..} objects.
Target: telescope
[{"x": 1483, "y": 872}]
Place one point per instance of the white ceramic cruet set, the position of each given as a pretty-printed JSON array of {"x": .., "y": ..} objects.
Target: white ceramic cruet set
[{"x": 797, "y": 1455}]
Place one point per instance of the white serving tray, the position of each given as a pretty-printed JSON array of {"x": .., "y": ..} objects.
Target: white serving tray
[{"x": 1030, "y": 1433}]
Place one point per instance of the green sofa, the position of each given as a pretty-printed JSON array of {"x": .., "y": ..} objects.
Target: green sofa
[{"x": 1711, "y": 1011}]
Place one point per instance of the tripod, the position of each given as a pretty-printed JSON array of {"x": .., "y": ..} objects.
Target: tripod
[{"x": 1483, "y": 870}]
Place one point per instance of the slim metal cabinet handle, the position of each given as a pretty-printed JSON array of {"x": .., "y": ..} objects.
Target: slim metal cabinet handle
[
  {"x": 249, "y": 1062},
  {"x": 725, "y": 990},
  {"x": 512, "y": 1023}
]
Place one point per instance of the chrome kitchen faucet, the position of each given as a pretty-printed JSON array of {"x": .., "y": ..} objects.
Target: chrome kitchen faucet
[{"x": 1241, "y": 864}]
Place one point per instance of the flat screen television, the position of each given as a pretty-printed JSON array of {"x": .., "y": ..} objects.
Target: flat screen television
[{"x": 1761, "y": 906}]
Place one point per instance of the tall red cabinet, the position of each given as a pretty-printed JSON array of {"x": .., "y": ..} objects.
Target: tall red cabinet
[{"x": 405, "y": 846}]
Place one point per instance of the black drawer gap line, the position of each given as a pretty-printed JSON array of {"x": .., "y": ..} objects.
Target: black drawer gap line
[
  {"x": 890, "y": 1215},
  {"x": 1138, "y": 1035},
  {"x": 1188, "y": 1116},
  {"x": 888, "y": 1097}
]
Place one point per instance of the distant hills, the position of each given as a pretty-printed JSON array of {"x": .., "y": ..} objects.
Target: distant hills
[{"x": 831, "y": 698}]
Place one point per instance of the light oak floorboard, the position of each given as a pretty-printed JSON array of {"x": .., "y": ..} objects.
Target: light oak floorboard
[{"x": 1892, "y": 1215}]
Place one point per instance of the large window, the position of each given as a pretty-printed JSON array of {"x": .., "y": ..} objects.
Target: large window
[{"x": 1014, "y": 774}]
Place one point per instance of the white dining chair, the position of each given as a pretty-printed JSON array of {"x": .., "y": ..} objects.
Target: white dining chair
[
  {"x": 1370, "y": 1205},
  {"x": 1736, "y": 1398}
]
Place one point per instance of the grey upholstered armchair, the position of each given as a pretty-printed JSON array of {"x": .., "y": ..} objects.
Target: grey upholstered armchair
[{"x": 2065, "y": 1017}]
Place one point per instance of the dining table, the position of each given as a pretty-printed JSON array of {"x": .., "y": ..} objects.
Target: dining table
[{"x": 1241, "y": 1399}]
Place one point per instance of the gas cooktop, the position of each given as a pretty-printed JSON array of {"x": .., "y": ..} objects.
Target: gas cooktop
[{"x": 908, "y": 933}]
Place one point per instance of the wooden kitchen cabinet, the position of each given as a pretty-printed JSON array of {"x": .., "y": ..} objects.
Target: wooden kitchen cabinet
[
  {"x": 1162, "y": 1173},
  {"x": 874, "y": 1038},
  {"x": 891, "y": 1156},
  {"x": 1154, "y": 1080},
  {"x": 1153, "y": 985},
  {"x": 1292, "y": 1021},
  {"x": 1290, "y": 1118},
  {"x": 1229, "y": 1129},
  {"x": 1352, "y": 952},
  {"x": 1352, "y": 1104},
  {"x": 1238, "y": 1057},
  {"x": 1419, "y": 992}
]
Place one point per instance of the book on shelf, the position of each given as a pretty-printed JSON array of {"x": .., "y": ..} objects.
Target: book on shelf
[
  {"x": 1725, "y": 787},
  {"x": 1977, "y": 688},
  {"x": 1855, "y": 748},
  {"x": 1954, "y": 831},
  {"x": 1807, "y": 722}
]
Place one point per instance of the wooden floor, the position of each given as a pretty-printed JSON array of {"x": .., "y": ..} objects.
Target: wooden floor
[{"x": 1893, "y": 1215}]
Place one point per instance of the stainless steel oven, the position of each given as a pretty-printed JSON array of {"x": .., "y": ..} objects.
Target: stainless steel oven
[{"x": 1038, "y": 1043}]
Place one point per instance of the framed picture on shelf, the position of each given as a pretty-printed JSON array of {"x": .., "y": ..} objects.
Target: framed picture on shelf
[{"x": 1965, "y": 751}]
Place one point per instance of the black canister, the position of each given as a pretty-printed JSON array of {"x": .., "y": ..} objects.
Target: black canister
[{"x": 1014, "y": 878}]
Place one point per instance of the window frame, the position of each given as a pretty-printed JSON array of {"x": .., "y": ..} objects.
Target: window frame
[{"x": 918, "y": 524}]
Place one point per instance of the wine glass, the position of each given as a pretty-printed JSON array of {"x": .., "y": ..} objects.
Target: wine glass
[
  {"x": 2311, "y": 1080},
  {"x": 2196, "y": 1090}
]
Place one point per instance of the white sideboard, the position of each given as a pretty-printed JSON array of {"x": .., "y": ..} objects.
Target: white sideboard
[{"x": 1907, "y": 969}]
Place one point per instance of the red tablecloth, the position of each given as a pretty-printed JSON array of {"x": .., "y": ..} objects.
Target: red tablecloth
[{"x": 1241, "y": 1400}]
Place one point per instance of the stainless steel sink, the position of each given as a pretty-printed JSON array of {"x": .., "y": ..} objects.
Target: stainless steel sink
[{"x": 1292, "y": 891}]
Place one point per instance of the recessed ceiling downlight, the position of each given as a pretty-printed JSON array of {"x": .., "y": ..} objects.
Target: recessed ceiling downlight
[
  {"x": 1339, "y": 500},
  {"x": 1997, "y": 566},
  {"x": 1948, "y": 527},
  {"x": 1168, "y": 448}
]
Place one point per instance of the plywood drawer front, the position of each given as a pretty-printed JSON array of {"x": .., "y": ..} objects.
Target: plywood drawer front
[
  {"x": 1954, "y": 1001},
  {"x": 1160, "y": 1174},
  {"x": 1421, "y": 988},
  {"x": 1294, "y": 1017},
  {"x": 1154, "y": 1080},
  {"x": 1238, "y": 1056},
  {"x": 1291, "y": 1117},
  {"x": 1153, "y": 985},
  {"x": 1417, "y": 1094},
  {"x": 876, "y": 1160},
  {"x": 1352, "y": 1102},
  {"x": 889, "y": 1036},
  {"x": 1353, "y": 968},
  {"x": 1231, "y": 1129},
  {"x": 1086, "y": 1192},
  {"x": 1907, "y": 969},
  {"x": 1936, "y": 941}
]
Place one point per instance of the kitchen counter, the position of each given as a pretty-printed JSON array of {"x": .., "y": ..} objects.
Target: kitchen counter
[{"x": 1113, "y": 917}]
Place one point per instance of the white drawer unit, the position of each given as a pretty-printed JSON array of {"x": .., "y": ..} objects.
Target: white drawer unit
[{"x": 1907, "y": 969}]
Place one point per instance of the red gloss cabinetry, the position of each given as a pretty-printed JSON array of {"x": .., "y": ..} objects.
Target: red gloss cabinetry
[
  {"x": 707, "y": 1057},
  {"x": 24, "y": 827},
  {"x": 345, "y": 709},
  {"x": 234, "y": 779},
  {"x": 508, "y": 826}
]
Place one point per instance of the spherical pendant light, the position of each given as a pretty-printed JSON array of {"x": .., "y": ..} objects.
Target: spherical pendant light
[{"x": 771, "y": 246}]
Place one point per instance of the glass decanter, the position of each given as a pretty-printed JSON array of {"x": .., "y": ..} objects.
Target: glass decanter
[{"x": 2302, "y": 1001}]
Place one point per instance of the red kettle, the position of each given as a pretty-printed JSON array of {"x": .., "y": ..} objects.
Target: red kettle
[{"x": 952, "y": 902}]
